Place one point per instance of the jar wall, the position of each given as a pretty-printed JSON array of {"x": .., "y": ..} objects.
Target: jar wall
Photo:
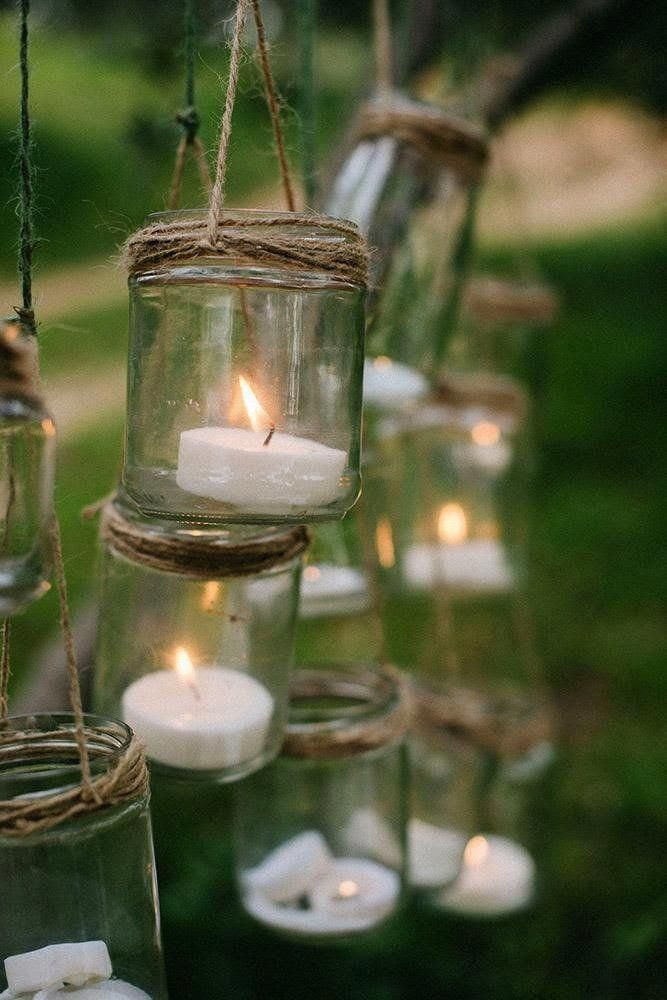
[
  {"x": 27, "y": 468},
  {"x": 220, "y": 356},
  {"x": 91, "y": 879},
  {"x": 320, "y": 841},
  {"x": 215, "y": 653}
]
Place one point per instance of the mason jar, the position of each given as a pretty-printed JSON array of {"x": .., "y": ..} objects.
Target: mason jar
[
  {"x": 320, "y": 833},
  {"x": 478, "y": 763},
  {"x": 79, "y": 913},
  {"x": 195, "y": 643},
  {"x": 408, "y": 180},
  {"x": 27, "y": 469},
  {"x": 244, "y": 379}
]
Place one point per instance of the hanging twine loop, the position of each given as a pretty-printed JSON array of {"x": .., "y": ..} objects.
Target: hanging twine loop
[
  {"x": 204, "y": 557},
  {"x": 289, "y": 241},
  {"x": 384, "y": 691},
  {"x": 384, "y": 60}
]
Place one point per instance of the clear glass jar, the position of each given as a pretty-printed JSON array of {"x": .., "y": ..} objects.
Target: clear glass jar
[
  {"x": 338, "y": 618},
  {"x": 477, "y": 765},
  {"x": 407, "y": 182},
  {"x": 244, "y": 389},
  {"x": 320, "y": 833},
  {"x": 195, "y": 643},
  {"x": 27, "y": 468},
  {"x": 84, "y": 889},
  {"x": 446, "y": 502}
]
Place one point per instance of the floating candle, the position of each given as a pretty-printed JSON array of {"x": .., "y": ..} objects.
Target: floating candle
[
  {"x": 199, "y": 718},
  {"x": 356, "y": 887},
  {"x": 260, "y": 470},
  {"x": 435, "y": 854},
  {"x": 289, "y": 871},
  {"x": 478, "y": 564},
  {"x": 327, "y": 589},
  {"x": 497, "y": 877},
  {"x": 57, "y": 965}
]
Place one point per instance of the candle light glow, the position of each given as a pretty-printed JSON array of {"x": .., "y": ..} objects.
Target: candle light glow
[
  {"x": 257, "y": 415},
  {"x": 384, "y": 543},
  {"x": 452, "y": 524},
  {"x": 485, "y": 433}
]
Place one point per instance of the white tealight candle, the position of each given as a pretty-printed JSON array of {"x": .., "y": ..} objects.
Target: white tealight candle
[
  {"x": 304, "y": 923},
  {"x": 498, "y": 876},
  {"x": 390, "y": 384},
  {"x": 57, "y": 965},
  {"x": 202, "y": 718},
  {"x": 110, "y": 989},
  {"x": 356, "y": 887},
  {"x": 290, "y": 870},
  {"x": 479, "y": 564},
  {"x": 367, "y": 833},
  {"x": 329, "y": 589},
  {"x": 435, "y": 854},
  {"x": 235, "y": 466}
]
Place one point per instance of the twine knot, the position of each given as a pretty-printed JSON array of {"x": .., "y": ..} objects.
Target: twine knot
[
  {"x": 189, "y": 120},
  {"x": 26, "y": 317}
]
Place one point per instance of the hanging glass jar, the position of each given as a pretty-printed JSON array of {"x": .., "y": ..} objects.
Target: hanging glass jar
[
  {"x": 320, "y": 832},
  {"x": 27, "y": 466},
  {"x": 477, "y": 763},
  {"x": 407, "y": 182},
  {"x": 338, "y": 617},
  {"x": 245, "y": 369},
  {"x": 79, "y": 914},
  {"x": 196, "y": 641}
]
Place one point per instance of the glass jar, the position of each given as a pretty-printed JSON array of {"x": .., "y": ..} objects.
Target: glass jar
[
  {"x": 195, "y": 643},
  {"x": 407, "y": 182},
  {"x": 244, "y": 386},
  {"x": 79, "y": 899},
  {"x": 477, "y": 765},
  {"x": 27, "y": 468},
  {"x": 445, "y": 498},
  {"x": 338, "y": 619},
  {"x": 321, "y": 832}
]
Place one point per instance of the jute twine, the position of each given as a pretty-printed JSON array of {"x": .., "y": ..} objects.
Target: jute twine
[
  {"x": 438, "y": 136},
  {"x": 205, "y": 556},
  {"x": 336, "y": 248},
  {"x": 344, "y": 736},
  {"x": 508, "y": 723},
  {"x": 125, "y": 779},
  {"x": 492, "y": 392},
  {"x": 494, "y": 301}
]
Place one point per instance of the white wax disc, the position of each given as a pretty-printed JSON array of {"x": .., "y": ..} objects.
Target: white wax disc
[
  {"x": 356, "y": 887},
  {"x": 70, "y": 964},
  {"x": 291, "y": 869}
]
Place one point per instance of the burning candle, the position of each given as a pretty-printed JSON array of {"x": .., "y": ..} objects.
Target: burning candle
[
  {"x": 330, "y": 589},
  {"x": 260, "y": 469},
  {"x": 356, "y": 887},
  {"x": 199, "y": 718},
  {"x": 81, "y": 969},
  {"x": 456, "y": 560},
  {"x": 497, "y": 877}
]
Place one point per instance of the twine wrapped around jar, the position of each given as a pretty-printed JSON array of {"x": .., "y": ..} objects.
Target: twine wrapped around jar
[
  {"x": 205, "y": 556},
  {"x": 494, "y": 301},
  {"x": 479, "y": 389},
  {"x": 437, "y": 135},
  {"x": 348, "y": 733}
]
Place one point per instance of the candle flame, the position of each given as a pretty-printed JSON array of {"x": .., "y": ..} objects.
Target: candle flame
[
  {"x": 382, "y": 362},
  {"x": 452, "y": 524},
  {"x": 184, "y": 666},
  {"x": 485, "y": 433},
  {"x": 312, "y": 573},
  {"x": 476, "y": 851},
  {"x": 48, "y": 427},
  {"x": 384, "y": 543},
  {"x": 257, "y": 415},
  {"x": 347, "y": 889}
]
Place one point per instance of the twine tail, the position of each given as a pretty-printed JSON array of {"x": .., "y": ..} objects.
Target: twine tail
[
  {"x": 26, "y": 231},
  {"x": 70, "y": 652},
  {"x": 4, "y": 669},
  {"x": 174, "y": 199},
  {"x": 218, "y": 188},
  {"x": 384, "y": 68},
  {"x": 273, "y": 103}
]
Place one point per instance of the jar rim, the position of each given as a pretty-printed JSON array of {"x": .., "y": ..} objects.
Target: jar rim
[
  {"x": 255, "y": 214},
  {"x": 350, "y": 708},
  {"x": 39, "y": 738}
]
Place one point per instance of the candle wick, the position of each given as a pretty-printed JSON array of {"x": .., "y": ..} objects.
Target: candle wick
[
  {"x": 194, "y": 687},
  {"x": 267, "y": 439}
]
